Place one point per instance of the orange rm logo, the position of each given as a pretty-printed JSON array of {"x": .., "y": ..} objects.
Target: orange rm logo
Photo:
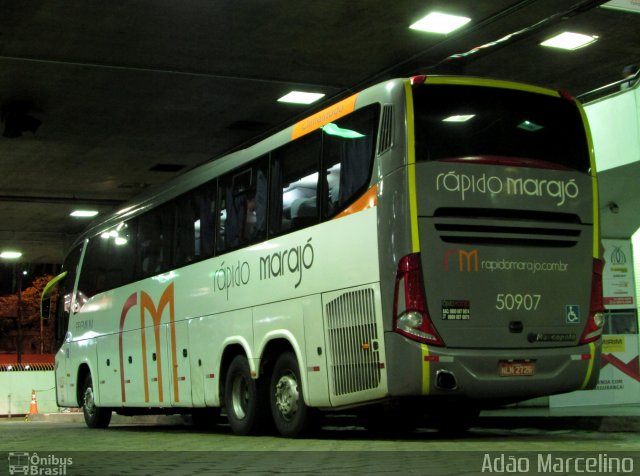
[
  {"x": 467, "y": 260},
  {"x": 147, "y": 306}
]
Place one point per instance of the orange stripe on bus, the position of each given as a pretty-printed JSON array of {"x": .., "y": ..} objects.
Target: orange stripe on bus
[
  {"x": 368, "y": 200},
  {"x": 324, "y": 117}
]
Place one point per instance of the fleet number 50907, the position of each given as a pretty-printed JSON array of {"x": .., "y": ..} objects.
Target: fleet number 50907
[{"x": 517, "y": 302}]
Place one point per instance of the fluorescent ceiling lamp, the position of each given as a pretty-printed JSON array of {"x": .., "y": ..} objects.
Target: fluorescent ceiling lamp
[
  {"x": 459, "y": 118},
  {"x": 436, "y": 22},
  {"x": 569, "y": 41},
  {"x": 298, "y": 97},
  {"x": 83, "y": 213},
  {"x": 10, "y": 254}
]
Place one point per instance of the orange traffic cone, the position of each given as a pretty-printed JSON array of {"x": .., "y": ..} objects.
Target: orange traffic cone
[{"x": 33, "y": 408}]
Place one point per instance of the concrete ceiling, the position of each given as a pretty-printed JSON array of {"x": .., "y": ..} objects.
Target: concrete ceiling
[{"x": 122, "y": 86}]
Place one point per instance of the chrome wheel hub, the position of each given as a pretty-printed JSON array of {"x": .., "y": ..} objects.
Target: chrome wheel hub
[
  {"x": 240, "y": 398},
  {"x": 287, "y": 396},
  {"x": 89, "y": 402}
]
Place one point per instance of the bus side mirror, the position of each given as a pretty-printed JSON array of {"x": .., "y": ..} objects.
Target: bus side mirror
[{"x": 47, "y": 292}]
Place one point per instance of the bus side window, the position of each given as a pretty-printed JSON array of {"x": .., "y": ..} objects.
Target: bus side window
[
  {"x": 294, "y": 185},
  {"x": 109, "y": 261},
  {"x": 155, "y": 232},
  {"x": 347, "y": 148},
  {"x": 243, "y": 206},
  {"x": 65, "y": 294},
  {"x": 195, "y": 225}
]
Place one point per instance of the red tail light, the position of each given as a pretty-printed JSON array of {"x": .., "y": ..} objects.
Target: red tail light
[
  {"x": 566, "y": 95},
  {"x": 595, "y": 323},
  {"x": 418, "y": 79},
  {"x": 410, "y": 315}
]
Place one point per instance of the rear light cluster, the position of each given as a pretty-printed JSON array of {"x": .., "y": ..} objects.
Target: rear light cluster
[
  {"x": 595, "y": 323},
  {"x": 410, "y": 315},
  {"x": 418, "y": 79}
]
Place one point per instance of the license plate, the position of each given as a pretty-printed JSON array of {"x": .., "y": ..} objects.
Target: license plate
[{"x": 516, "y": 368}]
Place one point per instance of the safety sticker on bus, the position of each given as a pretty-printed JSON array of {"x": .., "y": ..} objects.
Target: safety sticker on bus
[{"x": 456, "y": 310}]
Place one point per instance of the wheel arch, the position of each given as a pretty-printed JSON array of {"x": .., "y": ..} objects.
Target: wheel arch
[
  {"x": 83, "y": 371},
  {"x": 230, "y": 352}
]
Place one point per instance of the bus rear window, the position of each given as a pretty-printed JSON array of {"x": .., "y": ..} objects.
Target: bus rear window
[{"x": 455, "y": 121}]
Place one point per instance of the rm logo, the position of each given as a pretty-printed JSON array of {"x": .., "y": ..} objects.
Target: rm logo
[
  {"x": 148, "y": 306},
  {"x": 467, "y": 260}
]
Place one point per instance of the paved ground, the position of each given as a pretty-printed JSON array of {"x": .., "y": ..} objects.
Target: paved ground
[{"x": 532, "y": 441}]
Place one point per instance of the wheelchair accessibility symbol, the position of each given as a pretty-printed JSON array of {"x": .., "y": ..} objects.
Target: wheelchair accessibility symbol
[{"x": 572, "y": 314}]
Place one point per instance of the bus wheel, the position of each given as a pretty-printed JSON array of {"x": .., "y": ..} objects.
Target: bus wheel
[
  {"x": 94, "y": 416},
  {"x": 245, "y": 398},
  {"x": 291, "y": 415}
]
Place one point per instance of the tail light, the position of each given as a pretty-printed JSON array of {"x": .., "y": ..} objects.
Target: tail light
[
  {"x": 410, "y": 315},
  {"x": 418, "y": 79},
  {"x": 595, "y": 323}
]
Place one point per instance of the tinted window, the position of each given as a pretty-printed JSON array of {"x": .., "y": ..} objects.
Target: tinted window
[
  {"x": 348, "y": 146},
  {"x": 243, "y": 206},
  {"x": 155, "y": 234},
  {"x": 468, "y": 121},
  {"x": 65, "y": 293},
  {"x": 294, "y": 184},
  {"x": 195, "y": 222},
  {"x": 109, "y": 261}
]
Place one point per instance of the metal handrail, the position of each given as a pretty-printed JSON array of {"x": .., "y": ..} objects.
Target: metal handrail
[{"x": 620, "y": 85}]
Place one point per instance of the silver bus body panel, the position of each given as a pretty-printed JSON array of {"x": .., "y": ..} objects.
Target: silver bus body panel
[
  {"x": 476, "y": 372},
  {"x": 499, "y": 261}
]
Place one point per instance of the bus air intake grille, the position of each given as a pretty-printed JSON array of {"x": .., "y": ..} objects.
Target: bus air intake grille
[
  {"x": 386, "y": 130},
  {"x": 509, "y": 229},
  {"x": 353, "y": 342}
]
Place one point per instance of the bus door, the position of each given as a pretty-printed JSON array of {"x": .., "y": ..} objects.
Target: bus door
[{"x": 65, "y": 302}]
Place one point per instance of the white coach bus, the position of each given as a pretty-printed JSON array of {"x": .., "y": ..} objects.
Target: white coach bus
[{"x": 426, "y": 246}]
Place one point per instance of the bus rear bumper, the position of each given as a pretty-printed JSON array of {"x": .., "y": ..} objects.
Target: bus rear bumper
[{"x": 416, "y": 369}]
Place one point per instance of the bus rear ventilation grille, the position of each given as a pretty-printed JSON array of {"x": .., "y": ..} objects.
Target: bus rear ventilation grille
[
  {"x": 507, "y": 214},
  {"x": 386, "y": 130}
]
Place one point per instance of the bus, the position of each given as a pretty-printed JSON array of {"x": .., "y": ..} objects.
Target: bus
[{"x": 427, "y": 247}]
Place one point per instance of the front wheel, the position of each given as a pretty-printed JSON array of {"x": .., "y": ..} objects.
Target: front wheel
[
  {"x": 291, "y": 415},
  {"x": 94, "y": 416}
]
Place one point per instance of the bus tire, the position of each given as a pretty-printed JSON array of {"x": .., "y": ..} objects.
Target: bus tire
[
  {"x": 291, "y": 415},
  {"x": 94, "y": 416},
  {"x": 245, "y": 398}
]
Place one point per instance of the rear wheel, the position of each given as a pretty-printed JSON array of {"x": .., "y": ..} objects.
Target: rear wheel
[
  {"x": 94, "y": 416},
  {"x": 245, "y": 398},
  {"x": 291, "y": 415}
]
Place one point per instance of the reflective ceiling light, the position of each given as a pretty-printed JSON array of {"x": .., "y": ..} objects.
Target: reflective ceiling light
[
  {"x": 10, "y": 255},
  {"x": 569, "y": 41},
  {"x": 334, "y": 130},
  {"x": 298, "y": 97},
  {"x": 459, "y": 118},
  {"x": 83, "y": 213},
  {"x": 530, "y": 126},
  {"x": 436, "y": 22}
]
